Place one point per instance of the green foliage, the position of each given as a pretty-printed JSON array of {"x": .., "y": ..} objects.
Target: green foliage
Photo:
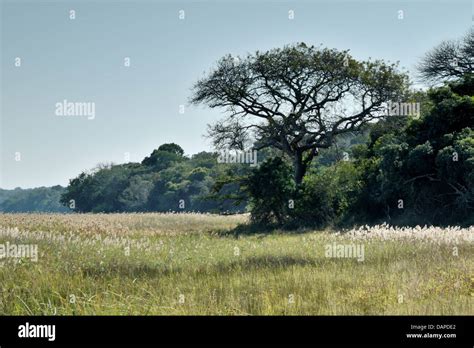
[
  {"x": 420, "y": 159},
  {"x": 136, "y": 193},
  {"x": 98, "y": 191},
  {"x": 327, "y": 195},
  {"x": 423, "y": 172},
  {"x": 271, "y": 188},
  {"x": 164, "y": 181},
  {"x": 172, "y": 148},
  {"x": 164, "y": 157}
]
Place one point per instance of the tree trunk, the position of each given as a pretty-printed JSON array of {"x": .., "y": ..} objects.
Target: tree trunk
[{"x": 299, "y": 168}]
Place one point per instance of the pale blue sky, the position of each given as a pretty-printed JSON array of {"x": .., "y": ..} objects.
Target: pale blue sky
[{"x": 137, "y": 108}]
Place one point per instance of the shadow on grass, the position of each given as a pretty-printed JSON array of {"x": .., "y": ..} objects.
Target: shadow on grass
[
  {"x": 129, "y": 270},
  {"x": 264, "y": 262},
  {"x": 258, "y": 229}
]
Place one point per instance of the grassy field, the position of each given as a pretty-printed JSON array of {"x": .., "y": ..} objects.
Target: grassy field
[{"x": 194, "y": 264}]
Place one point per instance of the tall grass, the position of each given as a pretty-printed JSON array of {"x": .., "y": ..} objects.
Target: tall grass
[{"x": 187, "y": 264}]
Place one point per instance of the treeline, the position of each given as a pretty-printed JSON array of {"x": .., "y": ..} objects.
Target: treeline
[
  {"x": 169, "y": 181},
  {"x": 165, "y": 181},
  {"x": 40, "y": 199}
]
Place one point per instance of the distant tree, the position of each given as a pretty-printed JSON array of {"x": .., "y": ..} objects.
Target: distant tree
[
  {"x": 173, "y": 148},
  {"x": 98, "y": 191},
  {"x": 296, "y": 99},
  {"x": 40, "y": 199},
  {"x": 449, "y": 60},
  {"x": 76, "y": 196},
  {"x": 164, "y": 156}
]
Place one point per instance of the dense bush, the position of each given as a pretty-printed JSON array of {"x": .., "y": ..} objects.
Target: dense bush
[
  {"x": 327, "y": 195},
  {"x": 271, "y": 189},
  {"x": 423, "y": 174}
]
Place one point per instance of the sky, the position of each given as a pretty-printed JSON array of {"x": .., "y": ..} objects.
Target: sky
[{"x": 47, "y": 57}]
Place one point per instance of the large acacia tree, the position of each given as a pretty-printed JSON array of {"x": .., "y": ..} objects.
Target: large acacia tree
[{"x": 297, "y": 99}]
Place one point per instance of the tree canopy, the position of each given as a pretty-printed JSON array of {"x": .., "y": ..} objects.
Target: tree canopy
[{"x": 297, "y": 99}]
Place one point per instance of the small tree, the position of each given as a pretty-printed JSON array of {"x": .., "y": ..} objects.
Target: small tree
[
  {"x": 271, "y": 190},
  {"x": 449, "y": 60},
  {"x": 297, "y": 99}
]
